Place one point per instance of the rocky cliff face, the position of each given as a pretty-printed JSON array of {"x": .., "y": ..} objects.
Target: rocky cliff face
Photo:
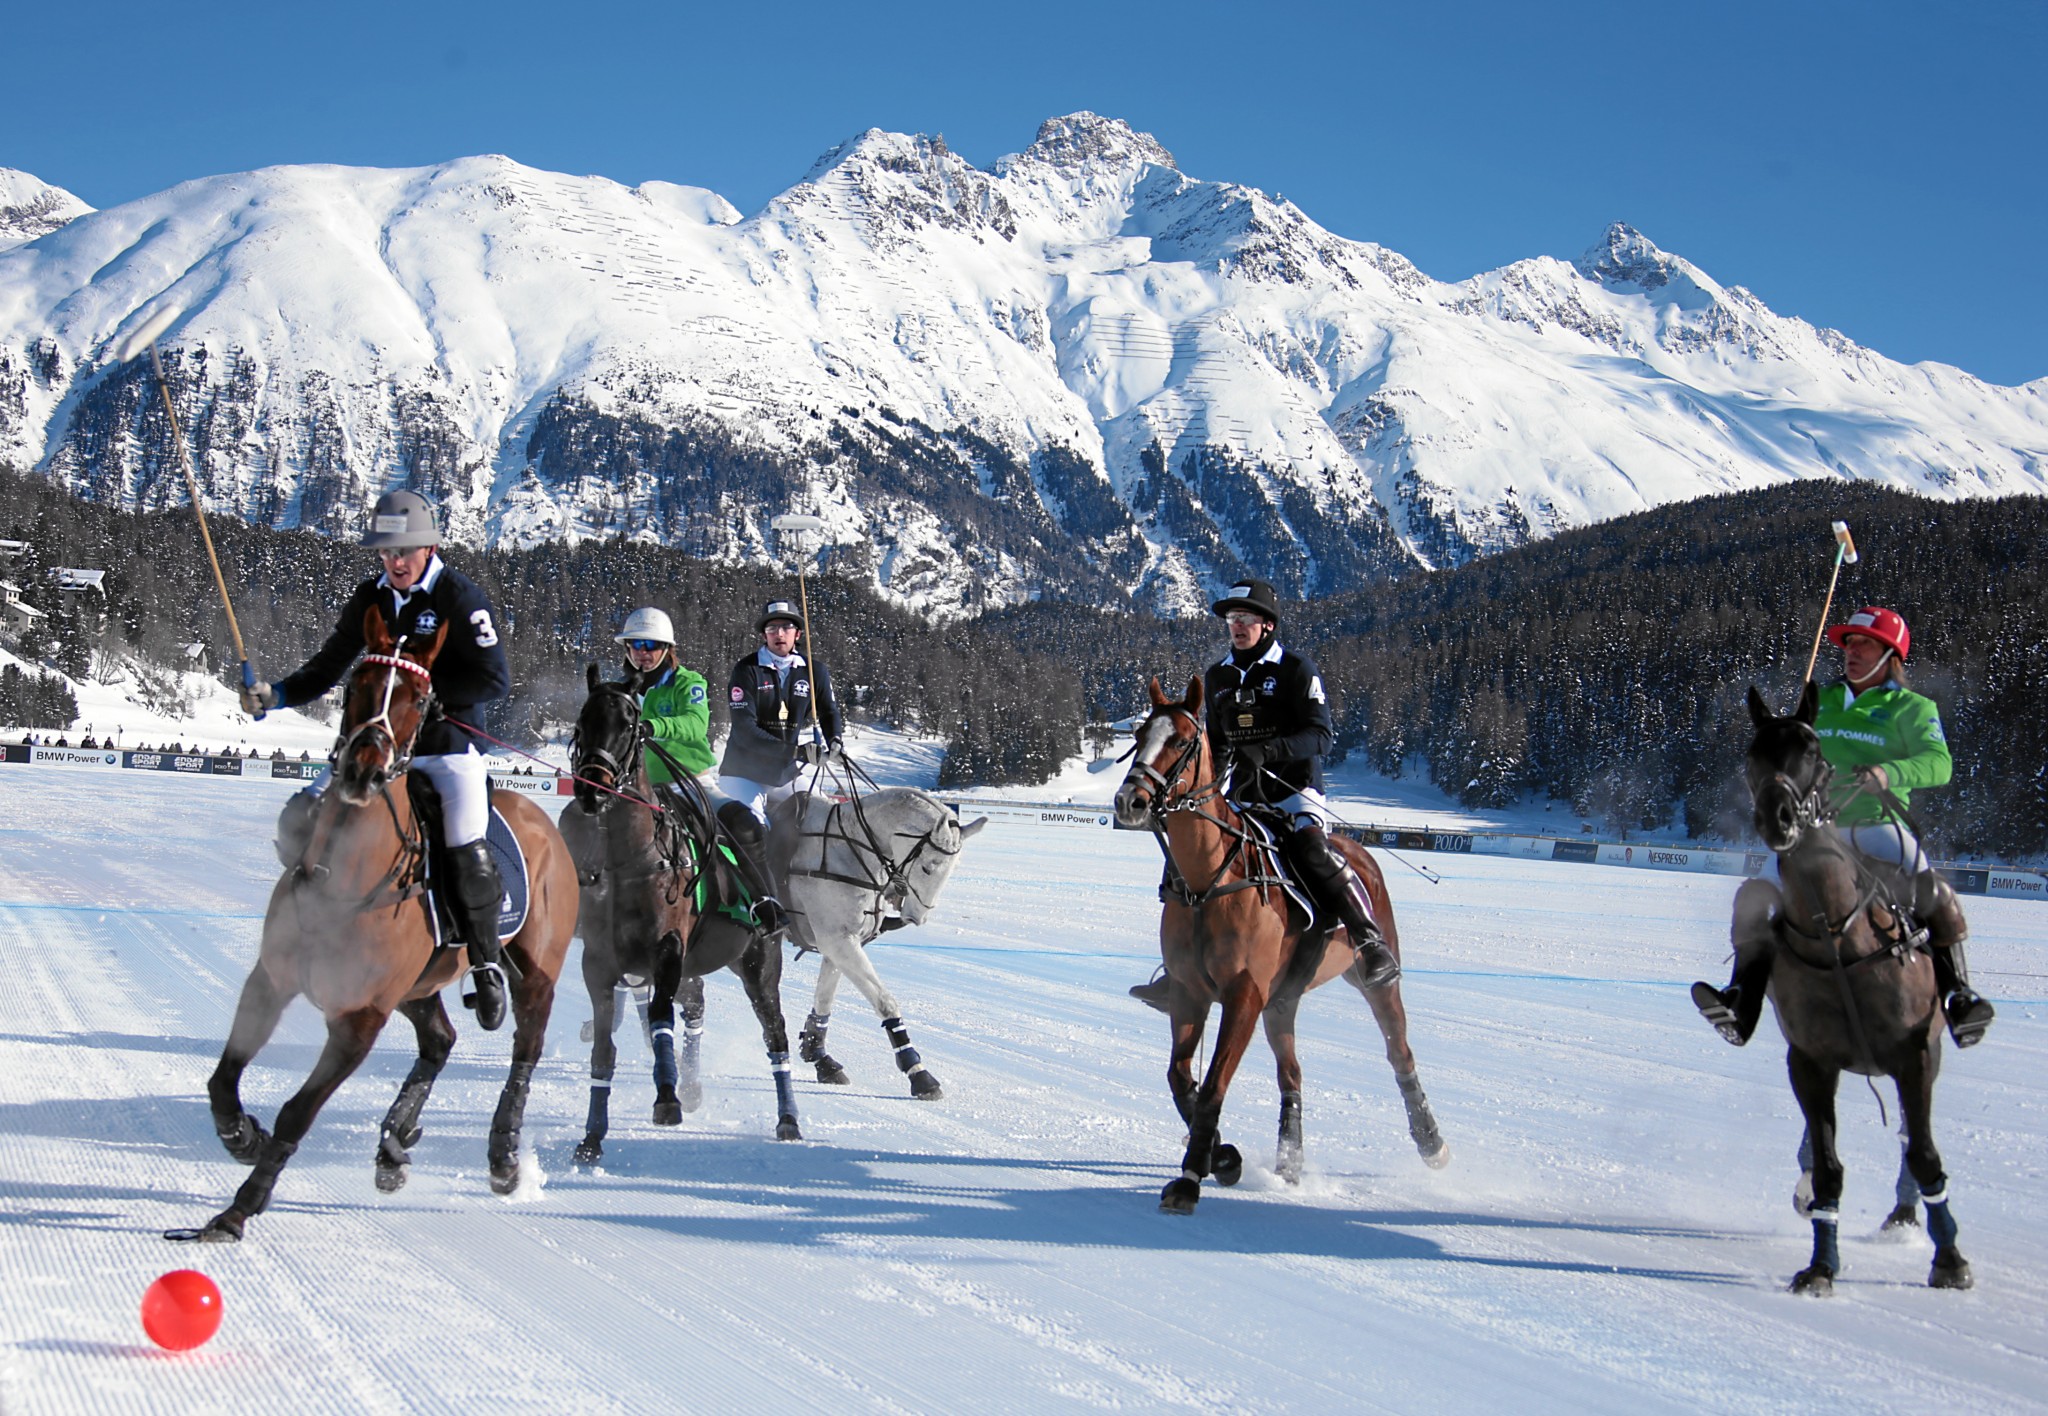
[{"x": 1076, "y": 373}]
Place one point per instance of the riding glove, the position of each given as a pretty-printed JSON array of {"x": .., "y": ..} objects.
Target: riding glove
[{"x": 258, "y": 698}]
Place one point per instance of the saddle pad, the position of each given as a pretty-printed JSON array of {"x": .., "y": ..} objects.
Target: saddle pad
[
  {"x": 511, "y": 861},
  {"x": 1277, "y": 863}
]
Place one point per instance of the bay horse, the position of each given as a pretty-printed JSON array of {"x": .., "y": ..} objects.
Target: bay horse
[
  {"x": 348, "y": 927},
  {"x": 1851, "y": 992},
  {"x": 641, "y": 859},
  {"x": 852, "y": 861},
  {"x": 1230, "y": 934}
]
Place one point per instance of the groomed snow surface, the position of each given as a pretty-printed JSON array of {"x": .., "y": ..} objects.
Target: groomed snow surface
[{"x": 1613, "y": 1233}]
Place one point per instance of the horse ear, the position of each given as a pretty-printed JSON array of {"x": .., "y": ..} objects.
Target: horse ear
[
  {"x": 425, "y": 653},
  {"x": 590, "y": 676},
  {"x": 1809, "y": 703},
  {"x": 1159, "y": 698},
  {"x": 376, "y": 634},
  {"x": 971, "y": 827},
  {"x": 1193, "y": 702},
  {"x": 1759, "y": 713},
  {"x": 637, "y": 680}
]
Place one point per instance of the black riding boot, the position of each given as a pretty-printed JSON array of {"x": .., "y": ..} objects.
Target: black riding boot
[
  {"x": 295, "y": 827},
  {"x": 1969, "y": 1012},
  {"x": 1735, "y": 1010},
  {"x": 1337, "y": 887},
  {"x": 743, "y": 829},
  {"x": 475, "y": 891}
]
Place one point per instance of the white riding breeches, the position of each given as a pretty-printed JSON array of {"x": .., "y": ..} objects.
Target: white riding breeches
[
  {"x": 1887, "y": 841},
  {"x": 1304, "y": 808},
  {"x": 758, "y": 799},
  {"x": 464, "y": 781}
]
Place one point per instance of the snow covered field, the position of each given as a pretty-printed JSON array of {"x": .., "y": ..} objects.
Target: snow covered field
[{"x": 1613, "y": 1232}]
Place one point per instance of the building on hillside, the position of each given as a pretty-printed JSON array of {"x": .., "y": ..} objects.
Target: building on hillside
[{"x": 16, "y": 613}]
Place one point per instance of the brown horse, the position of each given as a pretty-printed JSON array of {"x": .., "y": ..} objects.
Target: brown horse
[
  {"x": 348, "y": 927},
  {"x": 1230, "y": 934}
]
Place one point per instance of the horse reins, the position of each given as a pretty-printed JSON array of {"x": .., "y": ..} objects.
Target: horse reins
[{"x": 1243, "y": 853}]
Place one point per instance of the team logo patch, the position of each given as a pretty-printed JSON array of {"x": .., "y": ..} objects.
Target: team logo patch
[
  {"x": 739, "y": 695},
  {"x": 800, "y": 689},
  {"x": 1269, "y": 685},
  {"x": 427, "y": 622}
]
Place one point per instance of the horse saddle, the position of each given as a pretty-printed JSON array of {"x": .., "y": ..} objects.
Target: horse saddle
[
  {"x": 505, "y": 851},
  {"x": 1265, "y": 864}
]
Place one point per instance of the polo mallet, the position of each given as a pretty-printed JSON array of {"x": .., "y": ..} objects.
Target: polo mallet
[
  {"x": 146, "y": 337},
  {"x": 795, "y": 523},
  {"x": 1845, "y": 554}
]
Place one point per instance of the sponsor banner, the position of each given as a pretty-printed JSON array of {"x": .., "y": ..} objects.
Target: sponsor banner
[
  {"x": 1968, "y": 879},
  {"x": 1519, "y": 847},
  {"x": 227, "y": 766},
  {"x": 2016, "y": 884},
  {"x": 16, "y": 752},
  {"x": 1650, "y": 857},
  {"x": 1044, "y": 813},
  {"x": 289, "y": 771},
  {"x": 75, "y": 756},
  {"x": 190, "y": 763},
  {"x": 547, "y": 786},
  {"x": 1585, "y": 852}
]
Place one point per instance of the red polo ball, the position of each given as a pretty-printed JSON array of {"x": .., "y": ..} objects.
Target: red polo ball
[{"x": 181, "y": 1310}]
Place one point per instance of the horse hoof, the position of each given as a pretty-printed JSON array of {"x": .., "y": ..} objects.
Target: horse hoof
[
  {"x": 832, "y": 1074},
  {"x": 925, "y": 1087},
  {"x": 668, "y": 1113},
  {"x": 589, "y": 1152},
  {"x": 689, "y": 1095},
  {"x": 1287, "y": 1164},
  {"x": 786, "y": 1130},
  {"x": 1816, "y": 1281},
  {"x": 588, "y": 1032},
  {"x": 1951, "y": 1270},
  {"x": 1440, "y": 1157},
  {"x": 504, "y": 1181},
  {"x": 1901, "y": 1217},
  {"x": 223, "y": 1228},
  {"x": 1180, "y": 1196},
  {"x": 390, "y": 1178},
  {"x": 1226, "y": 1163}
]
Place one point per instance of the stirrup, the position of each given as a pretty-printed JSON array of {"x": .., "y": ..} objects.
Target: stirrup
[
  {"x": 1715, "y": 1007},
  {"x": 1970, "y": 1015},
  {"x": 1376, "y": 962}
]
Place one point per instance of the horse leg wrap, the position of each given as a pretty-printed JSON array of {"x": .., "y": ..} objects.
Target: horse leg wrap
[
  {"x": 811, "y": 1041},
  {"x": 598, "y": 1119},
  {"x": 1289, "y": 1158},
  {"x": 785, "y": 1098},
  {"x": 1422, "y": 1127},
  {"x": 907, "y": 1059},
  {"x": 507, "y": 1121},
  {"x": 1827, "y": 1253},
  {"x": 1941, "y": 1225},
  {"x": 254, "y": 1196},
  {"x": 665, "y": 1055}
]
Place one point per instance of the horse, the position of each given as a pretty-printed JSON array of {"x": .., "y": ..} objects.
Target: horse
[
  {"x": 349, "y": 927},
  {"x": 641, "y": 860},
  {"x": 1228, "y": 933},
  {"x": 1851, "y": 991},
  {"x": 852, "y": 862}
]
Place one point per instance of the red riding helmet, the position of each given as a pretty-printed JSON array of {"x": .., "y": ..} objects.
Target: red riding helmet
[{"x": 1885, "y": 626}]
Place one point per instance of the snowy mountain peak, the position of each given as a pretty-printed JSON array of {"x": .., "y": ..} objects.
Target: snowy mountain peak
[
  {"x": 31, "y": 208},
  {"x": 1083, "y": 140},
  {"x": 1625, "y": 256}
]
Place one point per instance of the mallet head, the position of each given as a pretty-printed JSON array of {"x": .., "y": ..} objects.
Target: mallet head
[
  {"x": 146, "y": 334},
  {"x": 1848, "y": 545}
]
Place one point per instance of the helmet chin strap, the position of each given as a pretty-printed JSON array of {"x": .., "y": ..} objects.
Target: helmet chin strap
[{"x": 1876, "y": 669}]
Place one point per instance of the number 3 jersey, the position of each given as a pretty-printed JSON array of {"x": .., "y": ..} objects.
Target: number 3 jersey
[{"x": 470, "y": 669}]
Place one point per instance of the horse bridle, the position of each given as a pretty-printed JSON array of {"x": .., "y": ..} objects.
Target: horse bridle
[
  {"x": 892, "y": 883},
  {"x": 1810, "y": 808},
  {"x": 1163, "y": 804},
  {"x": 401, "y": 759},
  {"x": 582, "y": 758}
]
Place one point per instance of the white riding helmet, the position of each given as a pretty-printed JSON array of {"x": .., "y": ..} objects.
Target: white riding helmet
[{"x": 646, "y": 623}]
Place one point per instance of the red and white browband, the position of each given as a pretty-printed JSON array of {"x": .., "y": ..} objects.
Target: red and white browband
[{"x": 397, "y": 663}]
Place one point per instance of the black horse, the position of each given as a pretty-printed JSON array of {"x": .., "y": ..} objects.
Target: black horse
[
  {"x": 652, "y": 886},
  {"x": 1851, "y": 990}
]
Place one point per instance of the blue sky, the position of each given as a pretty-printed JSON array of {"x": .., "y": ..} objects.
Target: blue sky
[{"x": 1874, "y": 166}]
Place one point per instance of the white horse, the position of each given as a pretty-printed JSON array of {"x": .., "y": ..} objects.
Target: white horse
[{"x": 861, "y": 866}]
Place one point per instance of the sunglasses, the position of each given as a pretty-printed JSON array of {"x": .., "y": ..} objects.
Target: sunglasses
[
  {"x": 1242, "y": 620},
  {"x": 645, "y": 646}
]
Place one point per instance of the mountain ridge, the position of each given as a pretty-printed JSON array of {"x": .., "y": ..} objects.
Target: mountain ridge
[{"x": 1077, "y": 372}]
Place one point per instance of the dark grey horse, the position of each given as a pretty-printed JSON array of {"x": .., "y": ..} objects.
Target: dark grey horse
[{"x": 1851, "y": 992}]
